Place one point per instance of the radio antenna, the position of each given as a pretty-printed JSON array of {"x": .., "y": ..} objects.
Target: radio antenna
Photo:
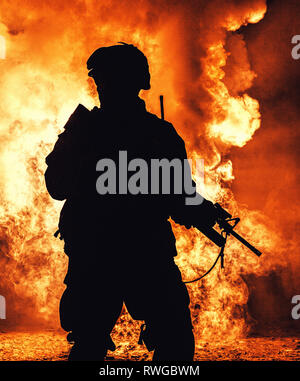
[{"x": 162, "y": 112}]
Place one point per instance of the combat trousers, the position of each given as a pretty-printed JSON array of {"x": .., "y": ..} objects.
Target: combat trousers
[{"x": 152, "y": 290}]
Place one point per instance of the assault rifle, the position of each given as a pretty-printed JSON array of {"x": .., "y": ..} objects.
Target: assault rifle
[{"x": 223, "y": 220}]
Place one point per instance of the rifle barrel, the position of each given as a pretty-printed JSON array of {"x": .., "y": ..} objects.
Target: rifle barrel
[{"x": 243, "y": 241}]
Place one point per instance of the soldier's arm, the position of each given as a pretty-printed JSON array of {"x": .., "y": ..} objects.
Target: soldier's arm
[
  {"x": 203, "y": 212},
  {"x": 64, "y": 161}
]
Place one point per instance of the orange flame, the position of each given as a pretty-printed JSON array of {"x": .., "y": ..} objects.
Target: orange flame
[{"x": 43, "y": 80}]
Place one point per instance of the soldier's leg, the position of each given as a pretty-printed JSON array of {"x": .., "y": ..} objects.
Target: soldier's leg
[
  {"x": 172, "y": 326},
  {"x": 90, "y": 317},
  {"x": 89, "y": 308},
  {"x": 174, "y": 340},
  {"x": 163, "y": 300},
  {"x": 92, "y": 329}
]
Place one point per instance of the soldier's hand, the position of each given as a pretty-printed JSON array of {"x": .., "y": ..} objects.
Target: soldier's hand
[{"x": 208, "y": 213}]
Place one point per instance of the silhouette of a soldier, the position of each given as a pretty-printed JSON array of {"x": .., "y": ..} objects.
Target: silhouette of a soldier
[{"x": 120, "y": 246}]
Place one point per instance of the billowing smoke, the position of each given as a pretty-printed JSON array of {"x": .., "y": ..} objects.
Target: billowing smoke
[{"x": 267, "y": 170}]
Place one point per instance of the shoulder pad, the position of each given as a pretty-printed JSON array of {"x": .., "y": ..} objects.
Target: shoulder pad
[{"x": 80, "y": 114}]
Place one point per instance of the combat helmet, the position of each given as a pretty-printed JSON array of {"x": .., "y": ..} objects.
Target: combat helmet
[{"x": 124, "y": 62}]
